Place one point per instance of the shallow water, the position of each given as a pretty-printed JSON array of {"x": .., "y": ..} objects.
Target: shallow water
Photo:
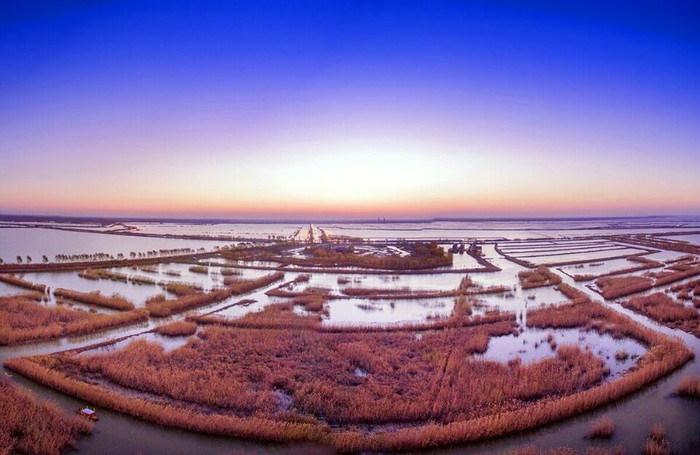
[
  {"x": 50, "y": 242},
  {"x": 358, "y": 311},
  {"x": 590, "y": 256},
  {"x": 633, "y": 416},
  {"x": 252, "y": 230},
  {"x": 532, "y": 346},
  {"x": 135, "y": 293},
  {"x": 690, "y": 238},
  {"x": 599, "y": 267}
]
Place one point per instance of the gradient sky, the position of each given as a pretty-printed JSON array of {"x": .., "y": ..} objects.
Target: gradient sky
[{"x": 350, "y": 109}]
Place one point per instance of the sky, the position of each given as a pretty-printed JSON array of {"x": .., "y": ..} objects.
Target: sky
[{"x": 350, "y": 109}]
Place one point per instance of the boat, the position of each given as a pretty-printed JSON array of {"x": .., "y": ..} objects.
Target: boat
[{"x": 88, "y": 414}]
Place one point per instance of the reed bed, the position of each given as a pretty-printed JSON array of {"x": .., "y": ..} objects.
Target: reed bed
[
  {"x": 32, "y": 426},
  {"x": 242, "y": 286},
  {"x": 177, "y": 329},
  {"x": 585, "y": 277},
  {"x": 602, "y": 428},
  {"x": 99, "y": 264},
  {"x": 650, "y": 241},
  {"x": 89, "y": 274},
  {"x": 317, "y": 371},
  {"x": 423, "y": 256},
  {"x": 532, "y": 450},
  {"x": 665, "y": 310},
  {"x": 227, "y": 271},
  {"x": 689, "y": 387},
  {"x": 520, "y": 262},
  {"x": 190, "y": 296},
  {"x": 436, "y": 382},
  {"x": 686, "y": 291},
  {"x": 115, "y": 302},
  {"x": 159, "y": 306},
  {"x": 311, "y": 302},
  {"x": 614, "y": 287},
  {"x": 540, "y": 413},
  {"x": 444, "y": 402},
  {"x": 282, "y": 316},
  {"x": 401, "y": 293},
  {"x": 656, "y": 443},
  {"x": 140, "y": 279},
  {"x": 201, "y": 269},
  {"x": 574, "y": 295},
  {"x": 20, "y": 282},
  {"x": 182, "y": 289},
  {"x": 97, "y": 274},
  {"x": 678, "y": 275},
  {"x": 23, "y": 319},
  {"x": 170, "y": 415},
  {"x": 103, "y": 274},
  {"x": 645, "y": 264},
  {"x": 539, "y": 277},
  {"x": 365, "y": 292}
]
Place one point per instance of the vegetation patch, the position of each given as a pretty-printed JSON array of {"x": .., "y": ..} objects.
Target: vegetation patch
[
  {"x": 689, "y": 387},
  {"x": 667, "y": 311},
  {"x": 177, "y": 329},
  {"x": 20, "y": 282},
  {"x": 539, "y": 277},
  {"x": 422, "y": 256},
  {"x": 190, "y": 296},
  {"x": 115, "y": 302},
  {"x": 23, "y": 319},
  {"x": 202, "y": 269},
  {"x": 603, "y": 428},
  {"x": 656, "y": 443},
  {"x": 32, "y": 426},
  {"x": 281, "y": 376},
  {"x": 614, "y": 287}
]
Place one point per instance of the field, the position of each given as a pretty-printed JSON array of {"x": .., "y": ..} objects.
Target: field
[{"x": 371, "y": 348}]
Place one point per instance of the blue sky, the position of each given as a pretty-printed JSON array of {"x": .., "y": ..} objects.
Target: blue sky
[{"x": 357, "y": 108}]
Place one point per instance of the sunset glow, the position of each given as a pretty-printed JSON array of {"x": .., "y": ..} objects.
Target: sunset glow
[{"x": 349, "y": 110}]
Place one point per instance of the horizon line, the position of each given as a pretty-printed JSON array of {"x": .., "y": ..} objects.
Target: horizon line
[{"x": 379, "y": 220}]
